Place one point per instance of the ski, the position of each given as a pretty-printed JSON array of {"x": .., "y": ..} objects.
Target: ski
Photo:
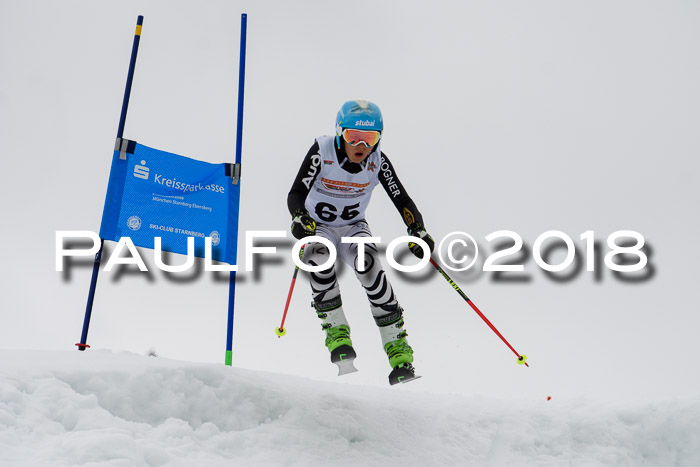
[
  {"x": 343, "y": 357},
  {"x": 345, "y": 367}
]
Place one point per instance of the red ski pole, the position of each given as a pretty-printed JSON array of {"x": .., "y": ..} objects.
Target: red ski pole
[
  {"x": 280, "y": 331},
  {"x": 521, "y": 358}
]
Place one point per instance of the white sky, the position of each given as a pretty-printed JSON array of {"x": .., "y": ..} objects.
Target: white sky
[{"x": 527, "y": 116}]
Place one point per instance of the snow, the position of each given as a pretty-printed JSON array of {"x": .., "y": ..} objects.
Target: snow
[
  {"x": 523, "y": 116},
  {"x": 121, "y": 409}
]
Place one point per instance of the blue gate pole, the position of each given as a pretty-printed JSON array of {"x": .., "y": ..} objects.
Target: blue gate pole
[
  {"x": 239, "y": 140},
  {"x": 120, "y": 132}
]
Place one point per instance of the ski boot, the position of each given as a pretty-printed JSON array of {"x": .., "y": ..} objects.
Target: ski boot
[
  {"x": 339, "y": 344},
  {"x": 337, "y": 330},
  {"x": 389, "y": 319},
  {"x": 400, "y": 358}
]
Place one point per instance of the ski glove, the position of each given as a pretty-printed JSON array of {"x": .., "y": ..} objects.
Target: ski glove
[
  {"x": 303, "y": 225},
  {"x": 417, "y": 230}
]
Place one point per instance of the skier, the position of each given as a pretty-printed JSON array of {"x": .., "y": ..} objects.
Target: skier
[{"x": 328, "y": 198}]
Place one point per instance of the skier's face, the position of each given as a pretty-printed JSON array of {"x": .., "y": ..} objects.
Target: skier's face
[{"x": 357, "y": 153}]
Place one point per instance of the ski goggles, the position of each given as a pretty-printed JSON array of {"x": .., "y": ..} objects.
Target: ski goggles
[{"x": 356, "y": 137}]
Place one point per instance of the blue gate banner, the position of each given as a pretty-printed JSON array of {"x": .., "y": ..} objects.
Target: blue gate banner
[{"x": 154, "y": 193}]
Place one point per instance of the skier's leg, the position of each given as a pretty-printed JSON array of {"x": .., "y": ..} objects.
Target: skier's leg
[
  {"x": 326, "y": 294},
  {"x": 389, "y": 320},
  {"x": 387, "y": 312},
  {"x": 372, "y": 277}
]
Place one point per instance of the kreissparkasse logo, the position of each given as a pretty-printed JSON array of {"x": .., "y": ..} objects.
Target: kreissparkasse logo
[{"x": 141, "y": 171}]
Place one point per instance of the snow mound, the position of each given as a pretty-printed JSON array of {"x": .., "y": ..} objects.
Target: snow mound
[{"x": 101, "y": 408}]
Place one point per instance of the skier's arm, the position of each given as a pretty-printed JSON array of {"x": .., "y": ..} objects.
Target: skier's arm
[
  {"x": 310, "y": 168},
  {"x": 410, "y": 213},
  {"x": 393, "y": 187}
]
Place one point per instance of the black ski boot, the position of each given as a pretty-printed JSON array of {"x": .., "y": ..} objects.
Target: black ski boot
[{"x": 402, "y": 373}]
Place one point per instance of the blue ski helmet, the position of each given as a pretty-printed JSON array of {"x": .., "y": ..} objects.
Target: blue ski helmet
[{"x": 359, "y": 115}]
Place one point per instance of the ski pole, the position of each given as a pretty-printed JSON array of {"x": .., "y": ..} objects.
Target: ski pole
[
  {"x": 521, "y": 358},
  {"x": 280, "y": 331}
]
